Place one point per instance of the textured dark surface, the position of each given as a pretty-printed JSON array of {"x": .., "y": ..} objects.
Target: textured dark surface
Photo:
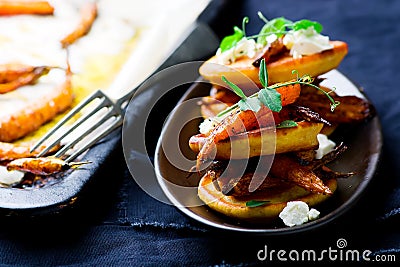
[{"x": 115, "y": 222}]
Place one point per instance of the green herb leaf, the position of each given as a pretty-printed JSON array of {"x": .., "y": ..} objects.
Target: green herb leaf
[
  {"x": 256, "y": 203},
  {"x": 275, "y": 26},
  {"x": 231, "y": 40},
  {"x": 263, "y": 73},
  {"x": 270, "y": 98},
  {"x": 234, "y": 87},
  {"x": 252, "y": 104},
  {"x": 305, "y": 24},
  {"x": 287, "y": 124}
]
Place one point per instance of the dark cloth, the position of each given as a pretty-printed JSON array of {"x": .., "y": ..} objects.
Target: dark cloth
[{"x": 115, "y": 223}]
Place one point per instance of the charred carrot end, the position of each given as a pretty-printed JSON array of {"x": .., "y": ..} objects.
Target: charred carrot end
[
  {"x": 289, "y": 93},
  {"x": 88, "y": 15},
  {"x": 21, "y": 7}
]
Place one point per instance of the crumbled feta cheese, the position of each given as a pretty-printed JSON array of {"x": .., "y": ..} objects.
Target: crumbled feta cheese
[
  {"x": 245, "y": 47},
  {"x": 313, "y": 214},
  {"x": 325, "y": 146},
  {"x": 271, "y": 38},
  {"x": 306, "y": 42},
  {"x": 297, "y": 213},
  {"x": 207, "y": 126}
]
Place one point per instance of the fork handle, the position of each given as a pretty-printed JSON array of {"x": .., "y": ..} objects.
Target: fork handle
[{"x": 126, "y": 97}]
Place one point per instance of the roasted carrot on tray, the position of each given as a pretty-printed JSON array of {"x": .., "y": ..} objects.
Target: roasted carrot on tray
[
  {"x": 88, "y": 15},
  {"x": 42, "y": 166},
  {"x": 11, "y": 151},
  {"x": 27, "y": 119},
  {"x": 21, "y": 7},
  {"x": 12, "y": 71},
  {"x": 13, "y": 76}
]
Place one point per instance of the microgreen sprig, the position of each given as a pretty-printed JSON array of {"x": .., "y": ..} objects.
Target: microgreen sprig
[
  {"x": 231, "y": 40},
  {"x": 308, "y": 80},
  {"x": 244, "y": 103},
  {"x": 278, "y": 26},
  {"x": 268, "y": 95}
]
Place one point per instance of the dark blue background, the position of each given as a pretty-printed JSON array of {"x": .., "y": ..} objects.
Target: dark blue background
[{"x": 114, "y": 222}]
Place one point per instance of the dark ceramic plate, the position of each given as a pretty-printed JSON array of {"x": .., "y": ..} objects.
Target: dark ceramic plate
[{"x": 364, "y": 142}]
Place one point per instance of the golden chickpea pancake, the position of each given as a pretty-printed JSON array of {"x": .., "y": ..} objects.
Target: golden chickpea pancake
[
  {"x": 264, "y": 141},
  {"x": 279, "y": 70},
  {"x": 278, "y": 197}
]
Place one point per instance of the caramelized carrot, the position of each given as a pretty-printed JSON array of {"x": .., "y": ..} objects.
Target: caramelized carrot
[
  {"x": 42, "y": 166},
  {"x": 20, "y": 7},
  {"x": 13, "y": 79},
  {"x": 289, "y": 93},
  {"x": 88, "y": 15},
  {"x": 290, "y": 170},
  {"x": 10, "y": 151},
  {"x": 29, "y": 118},
  {"x": 241, "y": 121},
  {"x": 11, "y": 71},
  {"x": 237, "y": 122}
]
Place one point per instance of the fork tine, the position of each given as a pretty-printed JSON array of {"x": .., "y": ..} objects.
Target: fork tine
[
  {"x": 95, "y": 139},
  {"x": 73, "y": 127},
  {"x": 101, "y": 120},
  {"x": 75, "y": 110}
]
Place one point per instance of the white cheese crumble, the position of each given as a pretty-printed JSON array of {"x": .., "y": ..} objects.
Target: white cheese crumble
[
  {"x": 313, "y": 214},
  {"x": 306, "y": 42},
  {"x": 271, "y": 38},
  {"x": 245, "y": 47},
  {"x": 325, "y": 146},
  {"x": 297, "y": 213},
  {"x": 207, "y": 126}
]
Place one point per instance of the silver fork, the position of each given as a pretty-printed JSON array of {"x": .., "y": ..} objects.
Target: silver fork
[{"x": 106, "y": 108}]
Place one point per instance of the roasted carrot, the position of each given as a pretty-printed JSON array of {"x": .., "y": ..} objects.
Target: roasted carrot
[
  {"x": 240, "y": 121},
  {"x": 30, "y": 117},
  {"x": 289, "y": 93},
  {"x": 352, "y": 109},
  {"x": 10, "y": 151},
  {"x": 88, "y": 15},
  {"x": 237, "y": 122},
  {"x": 13, "y": 79},
  {"x": 290, "y": 170},
  {"x": 20, "y": 7},
  {"x": 42, "y": 166},
  {"x": 12, "y": 71}
]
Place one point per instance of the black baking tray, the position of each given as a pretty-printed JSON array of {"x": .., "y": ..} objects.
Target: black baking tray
[{"x": 199, "y": 44}]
